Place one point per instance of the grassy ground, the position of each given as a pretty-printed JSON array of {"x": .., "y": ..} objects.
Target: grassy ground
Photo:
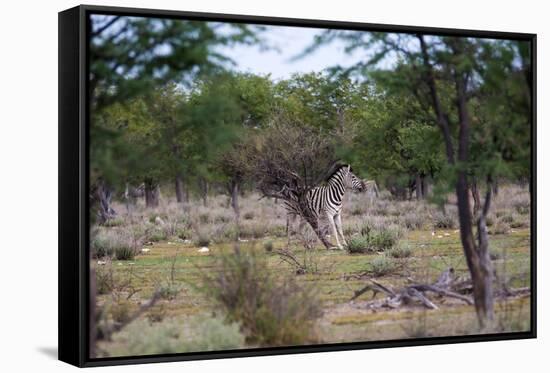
[{"x": 186, "y": 318}]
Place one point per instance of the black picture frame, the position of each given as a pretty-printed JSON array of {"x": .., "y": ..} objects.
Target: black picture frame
[{"x": 74, "y": 187}]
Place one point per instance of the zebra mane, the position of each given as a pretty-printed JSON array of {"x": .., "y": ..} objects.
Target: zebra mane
[{"x": 335, "y": 169}]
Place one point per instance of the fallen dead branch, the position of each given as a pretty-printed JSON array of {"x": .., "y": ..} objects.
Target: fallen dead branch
[
  {"x": 447, "y": 285},
  {"x": 413, "y": 293}
]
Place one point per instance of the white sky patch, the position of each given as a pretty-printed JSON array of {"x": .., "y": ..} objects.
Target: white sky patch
[{"x": 289, "y": 42}]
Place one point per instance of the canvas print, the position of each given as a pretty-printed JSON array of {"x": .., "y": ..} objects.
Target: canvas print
[{"x": 256, "y": 185}]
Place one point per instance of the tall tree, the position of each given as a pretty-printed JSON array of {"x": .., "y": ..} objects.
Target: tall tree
[{"x": 446, "y": 74}]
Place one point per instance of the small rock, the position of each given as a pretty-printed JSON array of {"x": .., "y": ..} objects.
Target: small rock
[
  {"x": 203, "y": 249},
  {"x": 446, "y": 234},
  {"x": 145, "y": 250},
  {"x": 440, "y": 236},
  {"x": 159, "y": 221},
  {"x": 101, "y": 262}
]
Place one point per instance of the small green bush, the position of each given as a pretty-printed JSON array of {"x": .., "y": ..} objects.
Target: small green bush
[
  {"x": 169, "y": 291},
  {"x": 359, "y": 245},
  {"x": 383, "y": 240},
  {"x": 124, "y": 252},
  {"x": 444, "y": 221},
  {"x": 382, "y": 265},
  {"x": 101, "y": 247},
  {"x": 177, "y": 336},
  {"x": 252, "y": 229},
  {"x": 499, "y": 228},
  {"x": 522, "y": 206},
  {"x": 120, "y": 312},
  {"x": 400, "y": 252},
  {"x": 183, "y": 233},
  {"x": 373, "y": 240},
  {"x": 268, "y": 246},
  {"x": 104, "y": 281},
  {"x": 157, "y": 235},
  {"x": 115, "y": 222}
]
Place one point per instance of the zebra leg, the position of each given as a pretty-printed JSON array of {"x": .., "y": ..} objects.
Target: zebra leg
[
  {"x": 338, "y": 221},
  {"x": 333, "y": 227}
]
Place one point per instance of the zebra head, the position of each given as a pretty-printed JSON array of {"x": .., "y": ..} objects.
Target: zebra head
[{"x": 352, "y": 181}]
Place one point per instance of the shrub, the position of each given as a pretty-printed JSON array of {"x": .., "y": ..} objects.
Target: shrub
[
  {"x": 507, "y": 218},
  {"x": 176, "y": 336},
  {"x": 522, "y": 206},
  {"x": 183, "y": 233},
  {"x": 156, "y": 314},
  {"x": 124, "y": 252},
  {"x": 412, "y": 220},
  {"x": 271, "y": 311},
  {"x": 400, "y": 252},
  {"x": 268, "y": 246},
  {"x": 357, "y": 210},
  {"x": 519, "y": 224},
  {"x": 249, "y": 215},
  {"x": 252, "y": 229},
  {"x": 204, "y": 218},
  {"x": 373, "y": 240},
  {"x": 383, "y": 240},
  {"x": 115, "y": 222},
  {"x": 157, "y": 235},
  {"x": 499, "y": 228},
  {"x": 359, "y": 245},
  {"x": 202, "y": 240},
  {"x": 444, "y": 221},
  {"x": 101, "y": 247},
  {"x": 382, "y": 265},
  {"x": 168, "y": 291},
  {"x": 104, "y": 280},
  {"x": 112, "y": 242},
  {"x": 120, "y": 312}
]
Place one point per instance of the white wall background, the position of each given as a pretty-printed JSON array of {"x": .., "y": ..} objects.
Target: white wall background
[{"x": 28, "y": 183}]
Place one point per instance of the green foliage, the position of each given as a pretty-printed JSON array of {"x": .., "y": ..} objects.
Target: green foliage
[
  {"x": 124, "y": 252},
  {"x": 381, "y": 266},
  {"x": 400, "y": 252},
  {"x": 373, "y": 240},
  {"x": 268, "y": 246}
]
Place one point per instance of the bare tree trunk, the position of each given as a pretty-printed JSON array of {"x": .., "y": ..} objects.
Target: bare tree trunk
[
  {"x": 179, "y": 188},
  {"x": 203, "y": 187},
  {"x": 425, "y": 186},
  {"x": 102, "y": 196},
  {"x": 495, "y": 187},
  {"x": 151, "y": 194},
  {"x": 477, "y": 256},
  {"x": 418, "y": 185},
  {"x": 476, "y": 197}
]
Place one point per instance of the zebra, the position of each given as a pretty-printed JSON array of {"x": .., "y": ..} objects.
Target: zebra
[{"x": 326, "y": 200}]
